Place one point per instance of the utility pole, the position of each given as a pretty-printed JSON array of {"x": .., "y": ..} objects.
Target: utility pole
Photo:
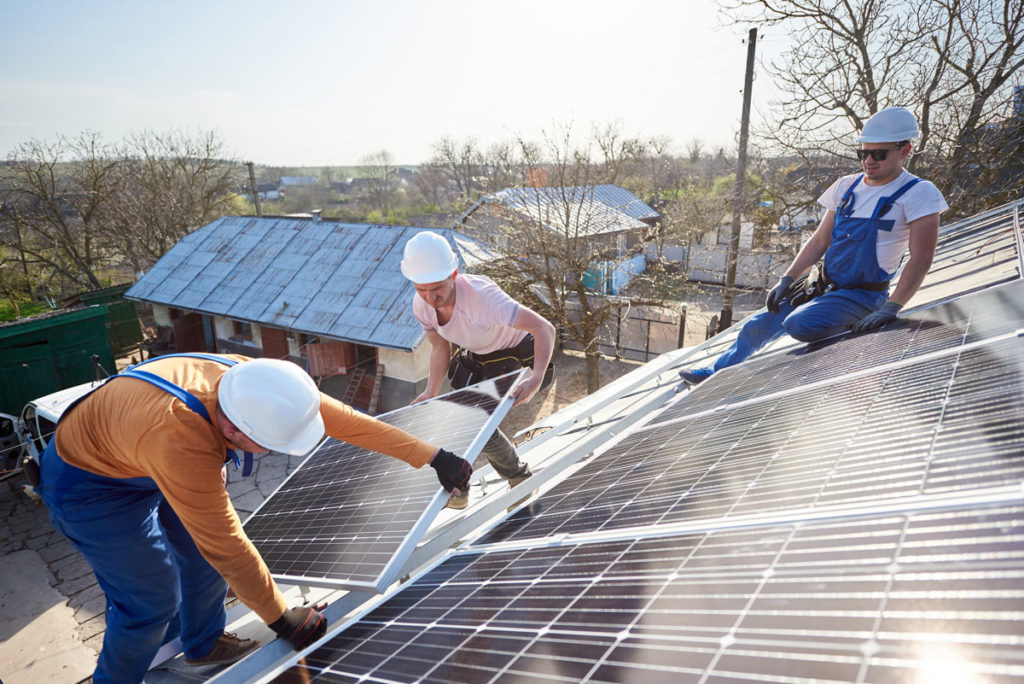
[
  {"x": 725, "y": 320},
  {"x": 255, "y": 192}
]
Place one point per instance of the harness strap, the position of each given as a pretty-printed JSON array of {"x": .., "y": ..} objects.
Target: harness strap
[
  {"x": 846, "y": 204},
  {"x": 886, "y": 203},
  {"x": 187, "y": 397}
]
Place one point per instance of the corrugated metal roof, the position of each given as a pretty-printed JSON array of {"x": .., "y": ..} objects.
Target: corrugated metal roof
[
  {"x": 591, "y": 210},
  {"x": 340, "y": 280}
]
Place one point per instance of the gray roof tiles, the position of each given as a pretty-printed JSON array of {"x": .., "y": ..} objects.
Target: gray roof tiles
[{"x": 340, "y": 280}]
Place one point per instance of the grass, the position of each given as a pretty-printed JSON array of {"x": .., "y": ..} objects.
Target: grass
[{"x": 25, "y": 309}]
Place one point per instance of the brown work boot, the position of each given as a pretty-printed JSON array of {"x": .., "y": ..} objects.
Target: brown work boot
[
  {"x": 520, "y": 478},
  {"x": 228, "y": 649}
]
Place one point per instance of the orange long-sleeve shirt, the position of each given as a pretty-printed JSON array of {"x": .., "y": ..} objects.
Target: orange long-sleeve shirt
[{"x": 129, "y": 428}]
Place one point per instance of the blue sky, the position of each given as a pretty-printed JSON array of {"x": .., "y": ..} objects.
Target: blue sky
[{"x": 319, "y": 82}]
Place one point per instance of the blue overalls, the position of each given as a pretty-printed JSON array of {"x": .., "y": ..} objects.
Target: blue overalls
[
  {"x": 851, "y": 260},
  {"x": 158, "y": 585}
]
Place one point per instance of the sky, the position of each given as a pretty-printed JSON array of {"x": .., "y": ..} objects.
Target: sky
[{"x": 313, "y": 83}]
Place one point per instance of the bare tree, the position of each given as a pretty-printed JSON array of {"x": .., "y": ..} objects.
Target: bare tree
[
  {"x": 78, "y": 210},
  {"x": 461, "y": 163},
  {"x": 694, "y": 150},
  {"x": 57, "y": 197},
  {"x": 951, "y": 61},
  {"x": 170, "y": 184},
  {"x": 552, "y": 238},
  {"x": 379, "y": 168}
]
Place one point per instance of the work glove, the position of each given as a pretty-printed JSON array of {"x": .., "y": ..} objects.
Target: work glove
[
  {"x": 452, "y": 471},
  {"x": 778, "y": 293},
  {"x": 301, "y": 626},
  {"x": 877, "y": 319}
]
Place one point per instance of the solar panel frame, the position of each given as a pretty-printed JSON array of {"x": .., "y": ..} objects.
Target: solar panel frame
[{"x": 320, "y": 492}]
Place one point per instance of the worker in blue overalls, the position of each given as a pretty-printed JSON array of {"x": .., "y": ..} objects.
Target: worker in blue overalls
[
  {"x": 134, "y": 478},
  {"x": 872, "y": 219}
]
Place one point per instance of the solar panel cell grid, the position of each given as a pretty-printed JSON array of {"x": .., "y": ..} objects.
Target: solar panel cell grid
[
  {"x": 843, "y": 601},
  {"x": 344, "y": 514},
  {"x": 944, "y": 425}
]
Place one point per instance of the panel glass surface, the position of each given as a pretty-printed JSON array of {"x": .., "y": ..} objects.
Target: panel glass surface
[
  {"x": 971, "y": 318},
  {"x": 345, "y": 512},
  {"x": 944, "y": 425},
  {"x": 897, "y": 598}
]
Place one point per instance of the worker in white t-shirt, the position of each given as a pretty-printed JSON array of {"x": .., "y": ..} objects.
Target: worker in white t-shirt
[
  {"x": 872, "y": 219},
  {"x": 495, "y": 335}
]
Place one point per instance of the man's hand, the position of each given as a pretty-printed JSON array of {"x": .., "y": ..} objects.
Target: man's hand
[
  {"x": 877, "y": 319},
  {"x": 778, "y": 293},
  {"x": 424, "y": 395},
  {"x": 452, "y": 471},
  {"x": 301, "y": 626},
  {"x": 525, "y": 390}
]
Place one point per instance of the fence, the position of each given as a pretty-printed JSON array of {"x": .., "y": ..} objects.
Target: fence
[{"x": 639, "y": 333}]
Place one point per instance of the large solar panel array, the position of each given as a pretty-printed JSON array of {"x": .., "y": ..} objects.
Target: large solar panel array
[
  {"x": 349, "y": 516},
  {"x": 847, "y": 513},
  {"x": 984, "y": 315}
]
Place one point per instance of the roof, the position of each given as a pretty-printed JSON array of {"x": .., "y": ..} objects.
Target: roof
[
  {"x": 593, "y": 210},
  {"x": 339, "y": 280},
  {"x": 855, "y": 489}
]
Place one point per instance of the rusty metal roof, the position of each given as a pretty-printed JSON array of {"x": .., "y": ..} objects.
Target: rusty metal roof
[{"x": 340, "y": 280}]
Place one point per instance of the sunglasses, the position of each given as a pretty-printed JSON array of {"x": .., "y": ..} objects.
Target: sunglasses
[{"x": 877, "y": 155}]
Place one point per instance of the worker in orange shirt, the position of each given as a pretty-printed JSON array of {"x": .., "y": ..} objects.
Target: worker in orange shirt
[{"x": 134, "y": 479}]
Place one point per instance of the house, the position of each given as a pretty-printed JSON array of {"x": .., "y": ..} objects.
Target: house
[
  {"x": 606, "y": 215},
  {"x": 326, "y": 295},
  {"x": 297, "y": 181}
]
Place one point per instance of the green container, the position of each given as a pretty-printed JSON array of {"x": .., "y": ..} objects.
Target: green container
[
  {"x": 124, "y": 329},
  {"x": 45, "y": 353}
]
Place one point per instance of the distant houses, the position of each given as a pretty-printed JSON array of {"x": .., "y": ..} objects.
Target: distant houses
[
  {"x": 327, "y": 295},
  {"x": 605, "y": 215}
]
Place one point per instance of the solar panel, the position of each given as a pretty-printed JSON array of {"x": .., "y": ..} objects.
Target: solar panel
[
  {"x": 993, "y": 312},
  {"x": 928, "y": 596},
  {"x": 936, "y": 426},
  {"x": 349, "y": 516}
]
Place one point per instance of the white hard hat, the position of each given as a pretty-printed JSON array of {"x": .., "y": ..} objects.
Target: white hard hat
[
  {"x": 428, "y": 258},
  {"x": 894, "y": 124},
  {"x": 274, "y": 403}
]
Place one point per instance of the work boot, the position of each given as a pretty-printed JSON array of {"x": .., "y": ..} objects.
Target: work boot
[
  {"x": 227, "y": 649},
  {"x": 518, "y": 479},
  {"x": 695, "y": 376}
]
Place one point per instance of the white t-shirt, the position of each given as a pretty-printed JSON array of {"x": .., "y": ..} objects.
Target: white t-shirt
[
  {"x": 483, "y": 316},
  {"x": 921, "y": 200}
]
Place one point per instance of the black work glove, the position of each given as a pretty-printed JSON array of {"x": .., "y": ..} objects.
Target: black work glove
[
  {"x": 301, "y": 626},
  {"x": 877, "y": 319},
  {"x": 778, "y": 293},
  {"x": 452, "y": 471}
]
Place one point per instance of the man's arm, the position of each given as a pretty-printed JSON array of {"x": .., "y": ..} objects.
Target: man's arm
[
  {"x": 815, "y": 248},
  {"x": 924, "y": 236},
  {"x": 440, "y": 357},
  {"x": 543, "y": 347}
]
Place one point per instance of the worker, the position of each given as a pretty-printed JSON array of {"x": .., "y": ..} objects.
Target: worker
[
  {"x": 871, "y": 221},
  {"x": 495, "y": 335},
  {"x": 135, "y": 479}
]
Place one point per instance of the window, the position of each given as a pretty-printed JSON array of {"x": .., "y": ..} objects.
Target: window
[{"x": 241, "y": 330}]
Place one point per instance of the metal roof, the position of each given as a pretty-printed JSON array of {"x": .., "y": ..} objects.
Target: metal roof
[
  {"x": 339, "y": 280},
  {"x": 592, "y": 210}
]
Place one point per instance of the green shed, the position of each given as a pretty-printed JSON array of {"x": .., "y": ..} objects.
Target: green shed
[
  {"x": 123, "y": 323},
  {"x": 51, "y": 351}
]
